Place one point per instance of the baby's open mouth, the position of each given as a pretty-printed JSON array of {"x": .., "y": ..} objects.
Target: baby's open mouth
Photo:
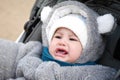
[{"x": 61, "y": 51}]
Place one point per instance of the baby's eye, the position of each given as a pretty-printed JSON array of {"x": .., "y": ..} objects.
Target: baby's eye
[
  {"x": 58, "y": 37},
  {"x": 73, "y": 39}
]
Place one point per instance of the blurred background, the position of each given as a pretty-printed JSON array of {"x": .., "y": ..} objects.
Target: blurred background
[{"x": 13, "y": 15}]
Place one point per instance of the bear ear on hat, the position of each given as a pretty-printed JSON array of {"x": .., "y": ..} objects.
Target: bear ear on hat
[
  {"x": 45, "y": 13},
  {"x": 106, "y": 23}
]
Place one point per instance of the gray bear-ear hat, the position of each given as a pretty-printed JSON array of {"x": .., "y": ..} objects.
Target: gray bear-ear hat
[{"x": 95, "y": 26}]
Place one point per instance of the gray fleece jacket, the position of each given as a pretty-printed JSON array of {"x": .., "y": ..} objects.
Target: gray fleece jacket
[{"x": 20, "y": 61}]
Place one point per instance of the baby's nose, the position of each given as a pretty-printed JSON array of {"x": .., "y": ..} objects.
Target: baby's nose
[{"x": 63, "y": 42}]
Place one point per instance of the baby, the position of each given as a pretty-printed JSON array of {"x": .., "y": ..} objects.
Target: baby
[{"x": 73, "y": 43}]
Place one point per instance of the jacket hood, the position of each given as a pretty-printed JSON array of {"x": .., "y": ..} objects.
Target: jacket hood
[{"x": 95, "y": 44}]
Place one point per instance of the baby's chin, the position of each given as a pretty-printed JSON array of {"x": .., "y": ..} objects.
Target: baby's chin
[{"x": 62, "y": 59}]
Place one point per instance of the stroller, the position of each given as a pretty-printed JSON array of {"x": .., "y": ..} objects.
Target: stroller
[{"x": 111, "y": 56}]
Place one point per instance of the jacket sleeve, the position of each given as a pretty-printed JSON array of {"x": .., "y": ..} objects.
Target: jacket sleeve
[
  {"x": 52, "y": 71},
  {"x": 8, "y": 54}
]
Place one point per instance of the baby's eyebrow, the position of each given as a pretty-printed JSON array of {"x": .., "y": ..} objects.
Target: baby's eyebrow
[
  {"x": 73, "y": 35},
  {"x": 58, "y": 32}
]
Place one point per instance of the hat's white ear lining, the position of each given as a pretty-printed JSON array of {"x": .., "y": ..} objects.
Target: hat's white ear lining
[
  {"x": 105, "y": 23},
  {"x": 45, "y": 13}
]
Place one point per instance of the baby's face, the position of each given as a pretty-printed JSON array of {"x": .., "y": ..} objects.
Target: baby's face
[{"x": 65, "y": 46}]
